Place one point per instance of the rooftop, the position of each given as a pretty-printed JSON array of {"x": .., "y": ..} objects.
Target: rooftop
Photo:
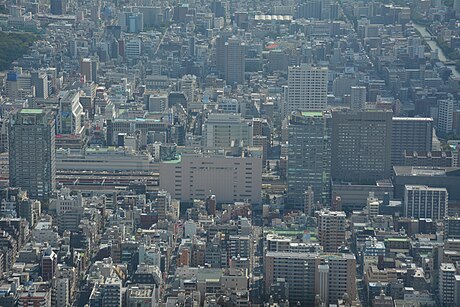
[{"x": 31, "y": 111}]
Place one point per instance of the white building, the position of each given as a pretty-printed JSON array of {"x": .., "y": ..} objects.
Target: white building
[
  {"x": 45, "y": 232},
  {"x": 307, "y": 88},
  {"x": 188, "y": 86},
  {"x": 221, "y": 129},
  {"x": 445, "y": 116},
  {"x": 65, "y": 202},
  {"x": 195, "y": 176}
]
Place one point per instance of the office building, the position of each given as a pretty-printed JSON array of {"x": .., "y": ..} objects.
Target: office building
[
  {"x": 32, "y": 152},
  {"x": 188, "y": 85},
  {"x": 331, "y": 230},
  {"x": 361, "y": 146},
  {"x": 452, "y": 227},
  {"x": 194, "y": 176},
  {"x": 142, "y": 126},
  {"x": 445, "y": 116},
  {"x": 308, "y": 157},
  {"x": 107, "y": 294},
  {"x": 141, "y": 296},
  {"x": 58, "y": 7},
  {"x": 234, "y": 61},
  {"x": 307, "y": 88},
  {"x": 436, "y": 177},
  {"x": 18, "y": 84},
  {"x": 410, "y": 134},
  {"x": 310, "y": 274},
  {"x": 161, "y": 204},
  {"x": 88, "y": 69},
  {"x": 39, "y": 80},
  {"x": 428, "y": 158},
  {"x": 70, "y": 113},
  {"x": 358, "y": 98},
  {"x": 131, "y": 21},
  {"x": 133, "y": 49},
  {"x": 457, "y": 7},
  {"x": 220, "y": 130},
  {"x": 425, "y": 202},
  {"x": 221, "y": 39}
]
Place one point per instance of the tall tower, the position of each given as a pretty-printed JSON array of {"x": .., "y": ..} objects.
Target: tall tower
[
  {"x": 32, "y": 152},
  {"x": 308, "y": 157},
  {"x": 307, "y": 88},
  {"x": 445, "y": 116},
  {"x": 234, "y": 61}
]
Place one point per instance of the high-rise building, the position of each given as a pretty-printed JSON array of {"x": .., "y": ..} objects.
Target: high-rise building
[
  {"x": 457, "y": 7},
  {"x": 358, "y": 98},
  {"x": 425, "y": 202},
  {"x": 307, "y": 275},
  {"x": 445, "y": 116},
  {"x": 221, "y": 129},
  {"x": 32, "y": 152},
  {"x": 131, "y": 21},
  {"x": 331, "y": 230},
  {"x": 234, "y": 61},
  {"x": 61, "y": 290},
  {"x": 161, "y": 204},
  {"x": 58, "y": 7},
  {"x": 452, "y": 227},
  {"x": 361, "y": 146},
  {"x": 88, "y": 69},
  {"x": 410, "y": 134},
  {"x": 221, "y": 39},
  {"x": 308, "y": 157},
  {"x": 307, "y": 88},
  {"x": 70, "y": 113},
  {"x": 39, "y": 80},
  {"x": 188, "y": 85},
  {"x": 447, "y": 274}
]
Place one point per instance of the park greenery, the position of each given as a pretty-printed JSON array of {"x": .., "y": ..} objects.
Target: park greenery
[{"x": 13, "y": 45}]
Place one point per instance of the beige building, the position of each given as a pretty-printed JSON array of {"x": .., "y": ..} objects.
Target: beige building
[
  {"x": 230, "y": 178},
  {"x": 331, "y": 229},
  {"x": 310, "y": 274}
]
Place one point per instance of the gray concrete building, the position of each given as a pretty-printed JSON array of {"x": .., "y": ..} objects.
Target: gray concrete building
[
  {"x": 309, "y": 155},
  {"x": 411, "y": 134},
  {"x": 361, "y": 146},
  {"x": 32, "y": 152}
]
